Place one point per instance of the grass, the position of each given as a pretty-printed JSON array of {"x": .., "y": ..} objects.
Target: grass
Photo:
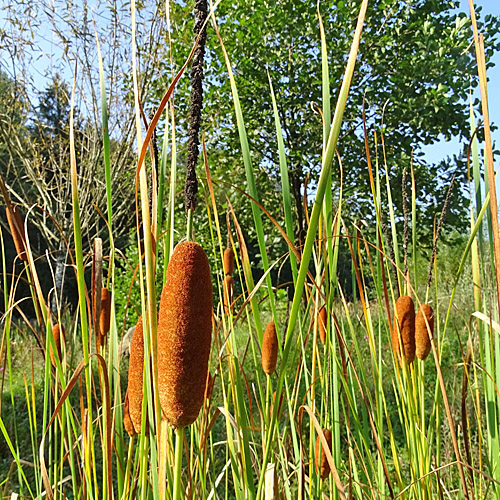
[{"x": 418, "y": 431}]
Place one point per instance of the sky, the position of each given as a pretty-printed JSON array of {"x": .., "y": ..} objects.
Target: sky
[
  {"x": 50, "y": 54},
  {"x": 444, "y": 149}
]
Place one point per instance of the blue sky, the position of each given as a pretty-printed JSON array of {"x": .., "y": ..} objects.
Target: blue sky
[
  {"x": 50, "y": 56},
  {"x": 443, "y": 149}
]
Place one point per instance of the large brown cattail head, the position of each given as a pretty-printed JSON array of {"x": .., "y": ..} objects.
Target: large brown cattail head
[
  {"x": 228, "y": 261},
  {"x": 422, "y": 338},
  {"x": 269, "y": 349},
  {"x": 184, "y": 334},
  {"x": 322, "y": 321},
  {"x": 322, "y": 465},
  {"x": 127, "y": 421},
  {"x": 16, "y": 226},
  {"x": 135, "y": 389},
  {"x": 403, "y": 329},
  {"x": 59, "y": 334}
]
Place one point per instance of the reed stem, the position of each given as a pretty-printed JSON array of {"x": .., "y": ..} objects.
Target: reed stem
[{"x": 179, "y": 439}]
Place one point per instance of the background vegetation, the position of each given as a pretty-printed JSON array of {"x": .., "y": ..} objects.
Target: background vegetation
[{"x": 363, "y": 216}]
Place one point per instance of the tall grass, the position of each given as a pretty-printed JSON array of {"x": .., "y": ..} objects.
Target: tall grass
[{"x": 420, "y": 429}]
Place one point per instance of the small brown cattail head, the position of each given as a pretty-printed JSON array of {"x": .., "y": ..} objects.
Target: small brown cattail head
[
  {"x": 228, "y": 261},
  {"x": 184, "y": 334},
  {"x": 322, "y": 322},
  {"x": 403, "y": 329},
  {"x": 322, "y": 465},
  {"x": 135, "y": 389},
  {"x": 59, "y": 334},
  {"x": 104, "y": 317},
  {"x": 269, "y": 349},
  {"x": 16, "y": 226},
  {"x": 422, "y": 339},
  {"x": 227, "y": 290}
]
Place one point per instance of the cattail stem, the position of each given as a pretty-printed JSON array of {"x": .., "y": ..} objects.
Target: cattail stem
[
  {"x": 189, "y": 225},
  {"x": 130, "y": 461},
  {"x": 162, "y": 468},
  {"x": 179, "y": 444},
  {"x": 268, "y": 414}
]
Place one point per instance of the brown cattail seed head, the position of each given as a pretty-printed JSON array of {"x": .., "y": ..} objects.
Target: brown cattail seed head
[
  {"x": 59, "y": 334},
  {"x": 135, "y": 377},
  {"x": 322, "y": 321},
  {"x": 184, "y": 334},
  {"x": 17, "y": 230},
  {"x": 228, "y": 261},
  {"x": 269, "y": 349},
  {"x": 403, "y": 328},
  {"x": 104, "y": 317},
  {"x": 322, "y": 465},
  {"x": 227, "y": 290},
  {"x": 422, "y": 340},
  {"x": 127, "y": 421}
]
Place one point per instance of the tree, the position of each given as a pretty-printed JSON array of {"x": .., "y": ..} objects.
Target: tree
[
  {"x": 36, "y": 165},
  {"x": 415, "y": 69}
]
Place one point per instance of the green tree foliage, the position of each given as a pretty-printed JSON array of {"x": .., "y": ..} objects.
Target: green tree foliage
[{"x": 414, "y": 74}]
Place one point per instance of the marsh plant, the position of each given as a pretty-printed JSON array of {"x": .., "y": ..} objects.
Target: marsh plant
[{"x": 384, "y": 391}]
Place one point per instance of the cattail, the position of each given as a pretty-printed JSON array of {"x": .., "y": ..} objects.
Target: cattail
[
  {"x": 184, "y": 334},
  {"x": 104, "y": 317},
  {"x": 59, "y": 334},
  {"x": 227, "y": 290},
  {"x": 422, "y": 339},
  {"x": 17, "y": 230},
  {"x": 127, "y": 421},
  {"x": 322, "y": 321},
  {"x": 403, "y": 328},
  {"x": 135, "y": 375},
  {"x": 228, "y": 261},
  {"x": 322, "y": 465},
  {"x": 269, "y": 349}
]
